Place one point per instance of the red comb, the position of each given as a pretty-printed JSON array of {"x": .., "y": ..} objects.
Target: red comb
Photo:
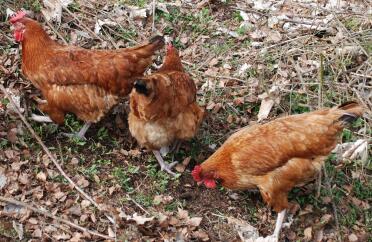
[
  {"x": 169, "y": 47},
  {"x": 196, "y": 173},
  {"x": 19, "y": 15}
]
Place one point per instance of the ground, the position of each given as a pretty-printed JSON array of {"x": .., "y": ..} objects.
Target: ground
[{"x": 248, "y": 59}]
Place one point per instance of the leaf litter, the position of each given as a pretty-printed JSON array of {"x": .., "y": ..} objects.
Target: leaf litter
[{"x": 273, "y": 30}]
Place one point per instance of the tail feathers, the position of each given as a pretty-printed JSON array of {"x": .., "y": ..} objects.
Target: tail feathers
[
  {"x": 157, "y": 40},
  {"x": 155, "y": 43},
  {"x": 353, "y": 111}
]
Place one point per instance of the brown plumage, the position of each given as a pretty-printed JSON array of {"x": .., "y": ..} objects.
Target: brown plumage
[
  {"x": 76, "y": 80},
  {"x": 276, "y": 156},
  {"x": 163, "y": 106}
]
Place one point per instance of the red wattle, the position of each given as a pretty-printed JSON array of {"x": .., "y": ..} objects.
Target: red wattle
[{"x": 210, "y": 183}]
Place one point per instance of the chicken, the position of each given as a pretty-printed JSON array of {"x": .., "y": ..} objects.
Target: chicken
[
  {"x": 85, "y": 82},
  {"x": 163, "y": 107},
  {"x": 276, "y": 156}
]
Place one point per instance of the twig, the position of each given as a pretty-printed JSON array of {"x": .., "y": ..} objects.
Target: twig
[
  {"x": 49, "y": 154},
  {"x": 153, "y": 15},
  {"x": 81, "y": 23},
  {"x": 326, "y": 179},
  {"x": 54, "y": 30},
  {"x": 48, "y": 214},
  {"x": 223, "y": 77},
  {"x": 137, "y": 204},
  {"x": 321, "y": 81}
]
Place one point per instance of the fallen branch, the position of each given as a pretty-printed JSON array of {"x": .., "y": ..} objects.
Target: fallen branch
[
  {"x": 335, "y": 215},
  {"x": 48, "y": 214},
  {"x": 49, "y": 154}
]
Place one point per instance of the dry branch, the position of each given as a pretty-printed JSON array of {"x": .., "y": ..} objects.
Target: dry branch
[{"x": 48, "y": 214}]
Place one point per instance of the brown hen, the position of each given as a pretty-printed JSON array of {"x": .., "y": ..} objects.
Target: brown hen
[
  {"x": 85, "y": 82},
  {"x": 276, "y": 156},
  {"x": 164, "y": 108}
]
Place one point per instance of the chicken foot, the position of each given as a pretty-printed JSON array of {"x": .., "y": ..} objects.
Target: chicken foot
[
  {"x": 41, "y": 118},
  {"x": 163, "y": 165},
  {"x": 81, "y": 133}
]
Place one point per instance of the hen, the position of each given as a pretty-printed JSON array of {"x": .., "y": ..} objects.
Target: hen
[
  {"x": 276, "y": 156},
  {"x": 163, "y": 107},
  {"x": 85, "y": 82}
]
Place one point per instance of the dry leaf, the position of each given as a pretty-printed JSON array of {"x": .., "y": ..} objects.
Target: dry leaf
[
  {"x": 352, "y": 238},
  {"x": 41, "y": 176},
  {"x": 268, "y": 101},
  {"x": 101, "y": 23},
  {"x": 53, "y": 9},
  {"x": 19, "y": 229},
  {"x": 82, "y": 182},
  {"x": 111, "y": 232},
  {"x": 195, "y": 221},
  {"x": 200, "y": 235},
  {"x": 37, "y": 233},
  {"x": 246, "y": 232},
  {"x": 3, "y": 180},
  {"x": 182, "y": 166},
  {"x": 182, "y": 214},
  {"x": 61, "y": 236},
  {"x": 32, "y": 221},
  {"x": 308, "y": 233},
  {"x": 85, "y": 203}
]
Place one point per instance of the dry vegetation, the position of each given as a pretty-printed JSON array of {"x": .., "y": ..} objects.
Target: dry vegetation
[{"x": 249, "y": 59}]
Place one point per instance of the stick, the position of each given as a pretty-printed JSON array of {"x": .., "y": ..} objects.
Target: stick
[
  {"x": 48, "y": 214},
  {"x": 326, "y": 179},
  {"x": 49, "y": 154},
  {"x": 321, "y": 80},
  {"x": 153, "y": 15}
]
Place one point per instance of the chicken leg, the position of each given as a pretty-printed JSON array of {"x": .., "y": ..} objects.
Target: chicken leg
[
  {"x": 81, "y": 133},
  {"x": 278, "y": 225},
  {"x": 41, "y": 118},
  {"x": 163, "y": 165}
]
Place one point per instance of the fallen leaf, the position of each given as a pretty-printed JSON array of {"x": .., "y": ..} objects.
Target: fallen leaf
[
  {"x": 110, "y": 232},
  {"x": 100, "y": 23},
  {"x": 74, "y": 161},
  {"x": 246, "y": 232},
  {"x": 33, "y": 221},
  {"x": 22, "y": 178},
  {"x": 195, "y": 221},
  {"x": 53, "y": 9},
  {"x": 18, "y": 227},
  {"x": 268, "y": 101},
  {"x": 37, "y": 233},
  {"x": 308, "y": 233},
  {"x": 61, "y": 236},
  {"x": 352, "y": 238},
  {"x": 325, "y": 219},
  {"x": 182, "y": 166},
  {"x": 85, "y": 203},
  {"x": 182, "y": 214},
  {"x": 82, "y": 182},
  {"x": 200, "y": 235},
  {"x": 3, "y": 180},
  {"x": 41, "y": 176}
]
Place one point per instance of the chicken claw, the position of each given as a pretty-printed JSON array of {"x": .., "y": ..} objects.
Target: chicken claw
[
  {"x": 81, "y": 133},
  {"x": 163, "y": 165}
]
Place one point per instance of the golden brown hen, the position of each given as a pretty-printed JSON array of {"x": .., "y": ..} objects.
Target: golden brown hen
[
  {"x": 85, "y": 82},
  {"x": 164, "y": 108},
  {"x": 278, "y": 155}
]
